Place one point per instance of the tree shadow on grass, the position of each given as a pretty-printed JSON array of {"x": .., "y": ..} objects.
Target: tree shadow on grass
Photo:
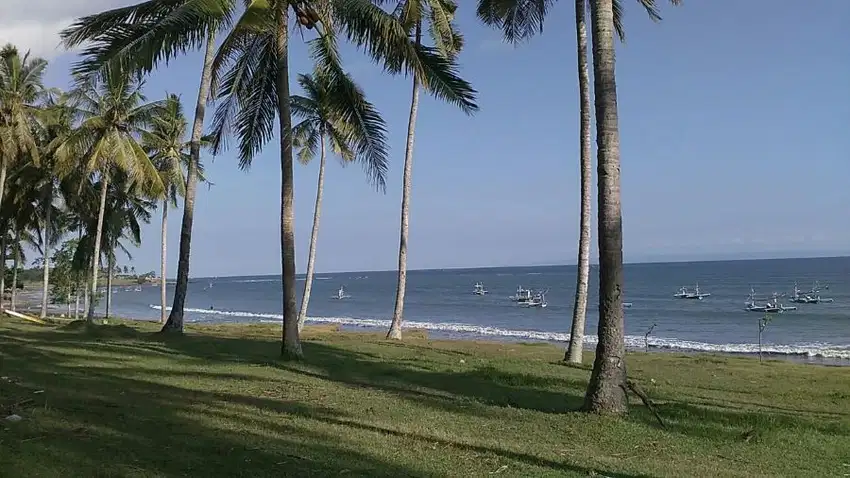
[
  {"x": 485, "y": 385},
  {"x": 469, "y": 389},
  {"x": 96, "y": 423},
  {"x": 99, "y": 422},
  {"x": 732, "y": 423}
]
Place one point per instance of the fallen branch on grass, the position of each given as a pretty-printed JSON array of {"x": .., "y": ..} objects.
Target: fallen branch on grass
[
  {"x": 635, "y": 388},
  {"x": 25, "y": 317}
]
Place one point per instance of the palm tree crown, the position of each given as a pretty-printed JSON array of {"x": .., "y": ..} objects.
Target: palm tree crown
[{"x": 351, "y": 124}]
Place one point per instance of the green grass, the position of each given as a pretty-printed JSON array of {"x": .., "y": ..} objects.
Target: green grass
[{"x": 120, "y": 401}]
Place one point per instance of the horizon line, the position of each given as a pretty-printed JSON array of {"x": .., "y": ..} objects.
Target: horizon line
[{"x": 450, "y": 268}]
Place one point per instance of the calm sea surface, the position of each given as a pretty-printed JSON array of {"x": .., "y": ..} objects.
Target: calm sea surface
[{"x": 442, "y": 302}]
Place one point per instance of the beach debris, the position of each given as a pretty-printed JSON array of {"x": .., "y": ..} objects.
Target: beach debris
[
  {"x": 646, "y": 337},
  {"x": 14, "y": 418},
  {"x": 499, "y": 470},
  {"x": 462, "y": 361},
  {"x": 38, "y": 391}
]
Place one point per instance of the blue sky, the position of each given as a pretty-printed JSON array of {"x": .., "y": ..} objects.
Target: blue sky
[{"x": 733, "y": 120}]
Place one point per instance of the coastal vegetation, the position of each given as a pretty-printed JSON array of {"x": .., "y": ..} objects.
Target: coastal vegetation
[
  {"x": 97, "y": 159},
  {"x": 81, "y": 170},
  {"x": 120, "y": 400}
]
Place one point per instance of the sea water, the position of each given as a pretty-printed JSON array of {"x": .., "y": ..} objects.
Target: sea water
[{"x": 442, "y": 302}]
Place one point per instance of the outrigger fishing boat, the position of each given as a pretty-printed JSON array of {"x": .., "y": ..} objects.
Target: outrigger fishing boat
[
  {"x": 538, "y": 300},
  {"x": 685, "y": 293},
  {"x": 771, "y": 306},
  {"x": 340, "y": 294},
  {"x": 479, "y": 289},
  {"x": 810, "y": 297},
  {"x": 522, "y": 295}
]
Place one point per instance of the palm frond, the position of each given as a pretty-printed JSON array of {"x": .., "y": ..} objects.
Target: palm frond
[
  {"x": 387, "y": 41},
  {"x": 138, "y": 37}
]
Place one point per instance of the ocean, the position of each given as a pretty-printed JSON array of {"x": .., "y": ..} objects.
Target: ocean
[{"x": 442, "y": 302}]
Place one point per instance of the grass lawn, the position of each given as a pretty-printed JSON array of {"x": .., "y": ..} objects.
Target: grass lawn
[{"x": 118, "y": 401}]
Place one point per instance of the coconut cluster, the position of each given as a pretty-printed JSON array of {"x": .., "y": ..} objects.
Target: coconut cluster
[{"x": 306, "y": 14}]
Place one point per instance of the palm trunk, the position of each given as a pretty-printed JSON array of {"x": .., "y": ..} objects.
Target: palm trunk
[
  {"x": 291, "y": 342},
  {"x": 162, "y": 293},
  {"x": 398, "y": 312},
  {"x": 109, "y": 284},
  {"x": 314, "y": 236},
  {"x": 77, "y": 280},
  {"x": 576, "y": 346},
  {"x": 175, "y": 318},
  {"x": 4, "y": 231},
  {"x": 45, "y": 296},
  {"x": 86, "y": 294},
  {"x": 606, "y": 392},
  {"x": 96, "y": 253},
  {"x": 3, "y": 268},
  {"x": 15, "y": 264}
]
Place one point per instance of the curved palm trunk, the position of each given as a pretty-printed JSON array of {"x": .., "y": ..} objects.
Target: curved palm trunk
[
  {"x": 606, "y": 392},
  {"x": 175, "y": 318},
  {"x": 401, "y": 288},
  {"x": 109, "y": 276},
  {"x": 15, "y": 264},
  {"x": 576, "y": 346},
  {"x": 45, "y": 292},
  {"x": 291, "y": 343},
  {"x": 96, "y": 253},
  {"x": 162, "y": 293},
  {"x": 314, "y": 236}
]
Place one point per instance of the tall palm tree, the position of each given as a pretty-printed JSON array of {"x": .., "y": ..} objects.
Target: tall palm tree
[
  {"x": 361, "y": 137},
  {"x": 521, "y": 20},
  {"x": 255, "y": 57},
  {"x": 21, "y": 88},
  {"x": 56, "y": 124},
  {"x": 35, "y": 209},
  {"x": 115, "y": 113},
  {"x": 20, "y": 223},
  {"x": 439, "y": 15},
  {"x": 126, "y": 208},
  {"x": 169, "y": 152}
]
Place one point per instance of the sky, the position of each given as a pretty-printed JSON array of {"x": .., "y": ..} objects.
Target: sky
[{"x": 733, "y": 121}]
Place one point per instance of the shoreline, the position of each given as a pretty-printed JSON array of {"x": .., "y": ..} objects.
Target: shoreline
[
  {"x": 30, "y": 301},
  {"x": 460, "y": 336}
]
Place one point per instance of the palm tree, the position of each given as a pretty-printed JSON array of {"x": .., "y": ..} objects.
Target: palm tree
[
  {"x": 127, "y": 207},
  {"x": 448, "y": 43},
  {"x": 21, "y": 87},
  {"x": 57, "y": 120},
  {"x": 168, "y": 149},
  {"x": 257, "y": 85},
  {"x": 521, "y": 20},
  {"x": 361, "y": 137},
  {"x": 19, "y": 221},
  {"x": 114, "y": 38},
  {"x": 115, "y": 113}
]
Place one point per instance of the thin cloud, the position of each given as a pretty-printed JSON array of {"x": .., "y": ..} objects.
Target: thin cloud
[{"x": 34, "y": 25}]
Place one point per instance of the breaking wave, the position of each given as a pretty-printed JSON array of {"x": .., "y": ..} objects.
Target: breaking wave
[{"x": 822, "y": 350}]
